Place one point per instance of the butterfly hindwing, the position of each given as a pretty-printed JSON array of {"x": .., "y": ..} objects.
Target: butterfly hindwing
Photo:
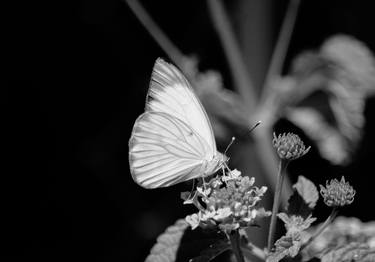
[{"x": 164, "y": 151}]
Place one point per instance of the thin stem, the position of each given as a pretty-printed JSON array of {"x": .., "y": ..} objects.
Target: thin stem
[
  {"x": 155, "y": 31},
  {"x": 253, "y": 250},
  {"x": 276, "y": 202},
  {"x": 269, "y": 161},
  {"x": 234, "y": 238},
  {"x": 281, "y": 48},
  {"x": 243, "y": 83},
  {"x": 326, "y": 223}
]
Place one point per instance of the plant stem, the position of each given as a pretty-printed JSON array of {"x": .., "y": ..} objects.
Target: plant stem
[
  {"x": 326, "y": 223},
  {"x": 243, "y": 83},
  {"x": 155, "y": 31},
  {"x": 254, "y": 250},
  {"x": 234, "y": 238},
  {"x": 281, "y": 47},
  {"x": 276, "y": 202}
]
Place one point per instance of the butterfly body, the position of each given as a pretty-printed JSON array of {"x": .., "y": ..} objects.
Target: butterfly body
[{"x": 173, "y": 140}]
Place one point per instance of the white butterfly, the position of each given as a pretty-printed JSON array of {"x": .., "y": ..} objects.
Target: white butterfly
[{"x": 172, "y": 141}]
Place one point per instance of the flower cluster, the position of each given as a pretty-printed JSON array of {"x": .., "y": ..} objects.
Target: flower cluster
[
  {"x": 337, "y": 193},
  {"x": 228, "y": 201},
  {"x": 289, "y": 146}
]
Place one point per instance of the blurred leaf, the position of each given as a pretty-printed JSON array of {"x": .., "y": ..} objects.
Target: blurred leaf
[
  {"x": 166, "y": 246},
  {"x": 330, "y": 142},
  {"x": 343, "y": 74},
  {"x": 307, "y": 190},
  {"x": 351, "y": 252},
  {"x": 342, "y": 232},
  {"x": 355, "y": 58}
]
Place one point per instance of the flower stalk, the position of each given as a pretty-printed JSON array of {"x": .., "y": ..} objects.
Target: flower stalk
[
  {"x": 326, "y": 223},
  {"x": 235, "y": 241},
  {"x": 276, "y": 201}
]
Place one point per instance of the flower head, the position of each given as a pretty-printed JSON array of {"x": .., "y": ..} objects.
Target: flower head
[
  {"x": 289, "y": 146},
  {"x": 337, "y": 193},
  {"x": 229, "y": 202}
]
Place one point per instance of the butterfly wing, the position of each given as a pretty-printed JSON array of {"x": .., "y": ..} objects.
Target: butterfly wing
[
  {"x": 164, "y": 151},
  {"x": 171, "y": 93}
]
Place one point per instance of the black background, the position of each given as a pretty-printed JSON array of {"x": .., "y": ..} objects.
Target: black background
[{"x": 76, "y": 76}]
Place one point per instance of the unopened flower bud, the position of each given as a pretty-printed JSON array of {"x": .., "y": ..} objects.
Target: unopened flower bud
[
  {"x": 337, "y": 193},
  {"x": 289, "y": 146}
]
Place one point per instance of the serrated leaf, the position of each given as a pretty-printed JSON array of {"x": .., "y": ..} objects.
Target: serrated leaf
[
  {"x": 288, "y": 245},
  {"x": 295, "y": 223},
  {"x": 307, "y": 191},
  {"x": 303, "y": 199},
  {"x": 165, "y": 249}
]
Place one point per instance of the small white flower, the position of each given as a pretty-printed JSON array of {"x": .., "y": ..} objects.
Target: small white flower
[
  {"x": 204, "y": 191},
  {"x": 262, "y": 190},
  {"x": 193, "y": 220},
  {"x": 207, "y": 215},
  {"x": 216, "y": 183},
  {"x": 232, "y": 175},
  {"x": 222, "y": 213}
]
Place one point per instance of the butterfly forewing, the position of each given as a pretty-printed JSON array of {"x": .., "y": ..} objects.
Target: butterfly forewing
[{"x": 171, "y": 93}]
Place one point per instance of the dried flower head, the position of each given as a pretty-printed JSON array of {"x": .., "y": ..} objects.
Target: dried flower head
[
  {"x": 289, "y": 146},
  {"x": 229, "y": 202},
  {"x": 337, "y": 193}
]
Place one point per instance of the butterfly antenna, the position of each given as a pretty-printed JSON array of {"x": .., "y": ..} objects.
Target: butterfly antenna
[
  {"x": 230, "y": 143},
  {"x": 257, "y": 124}
]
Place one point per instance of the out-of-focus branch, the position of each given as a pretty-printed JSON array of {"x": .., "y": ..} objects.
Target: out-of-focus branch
[
  {"x": 159, "y": 36},
  {"x": 281, "y": 47},
  {"x": 241, "y": 78}
]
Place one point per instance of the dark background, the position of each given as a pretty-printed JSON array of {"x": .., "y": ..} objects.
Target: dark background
[{"x": 76, "y": 78}]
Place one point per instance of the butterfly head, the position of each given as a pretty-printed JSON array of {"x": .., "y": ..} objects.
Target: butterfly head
[{"x": 219, "y": 161}]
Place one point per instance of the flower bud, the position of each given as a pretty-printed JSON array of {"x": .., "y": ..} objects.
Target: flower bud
[
  {"x": 337, "y": 193},
  {"x": 289, "y": 146}
]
